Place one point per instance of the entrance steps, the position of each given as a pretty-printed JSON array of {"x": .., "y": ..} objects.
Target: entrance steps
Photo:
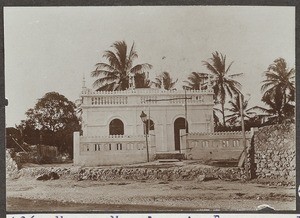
[
  {"x": 167, "y": 160},
  {"x": 168, "y": 157}
]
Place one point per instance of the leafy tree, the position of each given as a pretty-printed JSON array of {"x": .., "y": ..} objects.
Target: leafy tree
[
  {"x": 54, "y": 116},
  {"x": 165, "y": 79},
  {"x": 279, "y": 91},
  {"x": 196, "y": 81},
  {"x": 223, "y": 83},
  {"x": 114, "y": 75},
  {"x": 12, "y": 136},
  {"x": 28, "y": 133}
]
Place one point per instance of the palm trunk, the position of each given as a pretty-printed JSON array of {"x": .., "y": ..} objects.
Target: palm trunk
[
  {"x": 223, "y": 113},
  {"x": 284, "y": 102}
]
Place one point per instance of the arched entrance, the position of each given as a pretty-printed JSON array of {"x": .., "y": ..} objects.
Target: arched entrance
[
  {"x": 116, "y": 127},
  {"x": 178, "y": 125}
]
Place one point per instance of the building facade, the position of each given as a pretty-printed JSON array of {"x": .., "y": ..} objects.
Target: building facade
[{"x": 113, "y": 118}]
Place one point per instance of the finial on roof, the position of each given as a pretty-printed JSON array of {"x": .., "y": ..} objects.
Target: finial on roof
[
  {"x": 83, "y": 82},
  {"x": 162, "y": 83}
]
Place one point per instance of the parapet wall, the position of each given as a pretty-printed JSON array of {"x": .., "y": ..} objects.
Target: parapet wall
[
  {"x": 112, "y": 150},
  {"x": 215, "y": 146},
  {"x": 147, "y": 96},
  {"x": 275, "y": 151}
]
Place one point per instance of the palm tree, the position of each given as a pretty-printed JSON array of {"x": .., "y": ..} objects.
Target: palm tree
[
  {"x": 279, "y": 89},
  {"x": 142, "y": 81},
  {"x": 235, "y": 110},
  {"x": 276, "y": 112},
  {"x": 196, "y": 81},
  {"x": 223, "y": 84},
  {"x": 114, "y": 75},
  {"x": 216, "y": 112},
  {"x": 165, "y": 79}
]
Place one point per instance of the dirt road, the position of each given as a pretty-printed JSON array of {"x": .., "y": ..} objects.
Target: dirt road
[{"x": 71, "y": 195}]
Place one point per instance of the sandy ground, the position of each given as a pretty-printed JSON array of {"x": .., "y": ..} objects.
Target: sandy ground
[{"x": 28, "y": 194}]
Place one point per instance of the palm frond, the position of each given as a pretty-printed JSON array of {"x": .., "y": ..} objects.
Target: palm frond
[
  {"x": 132, "y": 54},
  {"x": 104, "y": 80},
  {"x": 97, "y": 73},
  {"x": 265, "y": 110},
  {"x": 235, "y": 75},
  {"x": 113, "y": 59},
  {"x": 104, "y": 66},
  {"x": 140, "y": 67},
  {"x": 210, "y": 68},
  {"x": 121, "y": 53},
  {"x": 228, "y": 68},
  {"x": 218, "y": 62}
]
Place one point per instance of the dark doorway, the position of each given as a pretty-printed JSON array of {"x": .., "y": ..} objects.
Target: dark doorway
[
  {"x": 178, "y": 125},
  {"x": 116, "y": 127}
]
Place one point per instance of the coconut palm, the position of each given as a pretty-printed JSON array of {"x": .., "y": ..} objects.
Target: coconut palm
[
  {"x": 142, "y": 81},
  {"x": 279, "y": 89},
  {"x": 196, "y": 81},
  {"x": 235, "y": 111},
  {"x": 114, "y": 75},
  {"x": 165, "y": 79},
  {"x": 223, "y": 83},
  {"x": 216, "y": 112},
  {"x": 276, "y": 112}
]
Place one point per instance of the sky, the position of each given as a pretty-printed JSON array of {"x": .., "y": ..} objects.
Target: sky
[{"x": 51, "y": 48}]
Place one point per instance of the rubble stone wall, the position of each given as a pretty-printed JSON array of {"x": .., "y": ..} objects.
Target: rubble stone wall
[
  {"x": 12, "y": 166},
  {"x": 275, "y": 151},
  {"x": 139, "y": 173}
]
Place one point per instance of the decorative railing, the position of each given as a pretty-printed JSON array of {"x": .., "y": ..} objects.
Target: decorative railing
[
  {"x": 146, "y": 97},
  {"x": 109, "y": 100},
  {"x": 143, "y": 91},
  {"x": 217, "y": 139},
  {"x": 220, "y": 134}
]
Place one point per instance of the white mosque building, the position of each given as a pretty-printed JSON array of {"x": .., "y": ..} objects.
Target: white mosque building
[{"x": 136, "y": 125}]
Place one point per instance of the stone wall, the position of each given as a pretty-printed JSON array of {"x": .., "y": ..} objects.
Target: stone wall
[
  {"x": 12, "y": 166},
  {"x": 275, "y": 152},
  {"x": 195, "y": 172}
]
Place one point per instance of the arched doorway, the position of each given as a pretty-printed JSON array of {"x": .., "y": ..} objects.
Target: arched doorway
[
  {"x": 178, "y": 125},
  {"x": 116, "y": 127},
  {"x": 149, "y": 124}
]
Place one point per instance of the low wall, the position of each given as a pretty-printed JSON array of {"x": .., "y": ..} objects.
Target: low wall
[
  {"x": 215, "y": 146},
  {"x": 195, "y": 172},
  {"x": 112, "y": 150},
  {"x": 275, "y": 151}
]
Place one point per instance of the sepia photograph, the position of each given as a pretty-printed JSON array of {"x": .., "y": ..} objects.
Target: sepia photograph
[{"x": 150, "y": 108}]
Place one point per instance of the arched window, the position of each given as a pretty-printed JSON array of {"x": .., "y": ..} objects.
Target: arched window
[
  {"x": 149, "y": 124},
  {"x": 116, "y": 127}
]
